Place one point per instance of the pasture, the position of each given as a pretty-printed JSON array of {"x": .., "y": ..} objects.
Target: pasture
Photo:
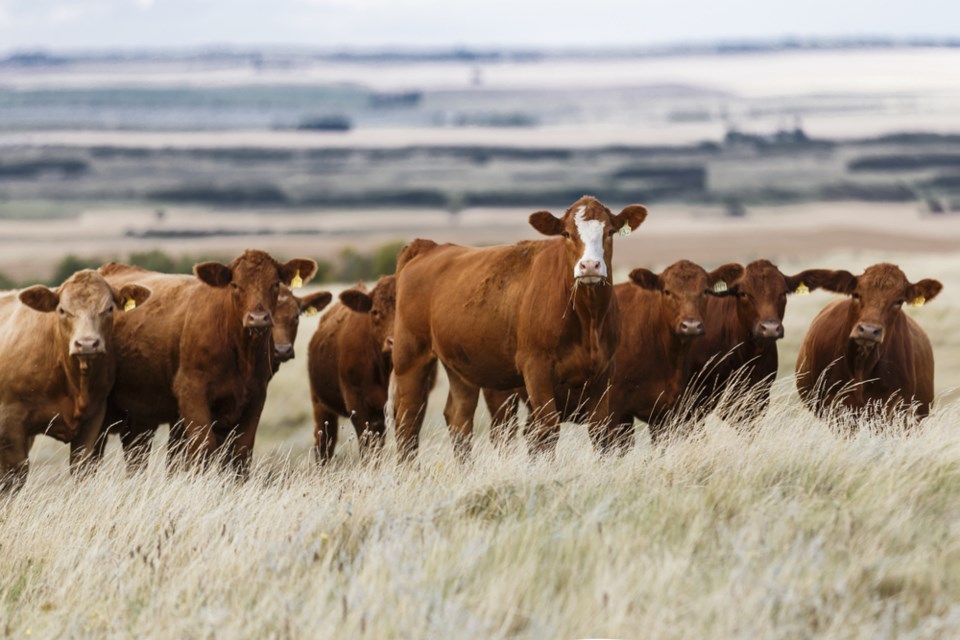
[{"x": 795, "y": 531}]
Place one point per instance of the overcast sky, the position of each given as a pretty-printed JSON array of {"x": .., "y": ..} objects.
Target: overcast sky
[{"x": 108, "y": 24}]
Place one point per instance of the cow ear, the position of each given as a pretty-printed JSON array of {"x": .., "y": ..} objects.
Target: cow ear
[
  {"x": 356, "y": 300},
  {"x": 40, "y": 298},
  {"x": 213, "y": 273},
  {"x": 811, "y": 279},
  {"x": 632, "y": 216},
  {"x": 722, "y": 278},
  {"x": 314, "y": 302},
  {"x": 646, "y": 279},
  {"x": 837, "y": 281},
  {"x": 298, "y": 272},
  {"x": 923, "y": 291},
  {"x": 546, "y": 223},
  {"x": 131, "y": 296}
]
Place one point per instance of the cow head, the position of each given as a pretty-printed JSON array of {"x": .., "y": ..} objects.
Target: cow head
[
  {"x": 253, "y": 280},
  {"x": 683, "y": 288},
  {"x": 762, "y": 296},
  {"x": 588, "y": 228},
  {"x": 85, "y": 306},
  {"x": 878, "y": 296},
  {"x": 380, "y": 304},
  {"x": 286, "y": 320}
]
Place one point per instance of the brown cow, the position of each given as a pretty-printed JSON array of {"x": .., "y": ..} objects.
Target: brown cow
[
  {"x": 865, "y": 352},
  {"x": 200, "y": 356},
  {"x": 284, "y": 336},
  {"x": 61, "y": 365},
  {"x": 740, "y": 343},
  {"x": 286, "y": 321},
  {"x": 539, "y": 314},
  {"x": 663, "y": 315},
  {"x": 349, "y": 363}
]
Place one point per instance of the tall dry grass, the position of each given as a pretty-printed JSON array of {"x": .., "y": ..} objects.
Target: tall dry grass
[{"x": 789, "y": 531}]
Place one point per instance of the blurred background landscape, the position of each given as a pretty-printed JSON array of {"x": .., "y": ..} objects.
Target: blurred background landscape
[{"x": 784, "y": 148}]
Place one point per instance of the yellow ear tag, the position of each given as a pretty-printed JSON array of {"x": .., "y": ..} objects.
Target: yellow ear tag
[
  {"x": 919, "y": 301},
  {"x": 129, "y": 304},
  {"x": 802, "y": 290},
  {"x": 719, "y": 286},
  {"x": 310, "y": 311},
  {"x": 625, "y": 230},
  {"x": 297, "y": 281}
]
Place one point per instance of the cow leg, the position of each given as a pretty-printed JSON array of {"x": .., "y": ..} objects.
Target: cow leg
[
  {"x": 544, "y": 432},
  {"x": 367, "y": 418},
  {"x": 84, "y": 444},
  {"x": 504, "y": 415},
  {"x": 14, "y": 458},
  {"x": 176, "y": 445},
  {"x": 602, "y": 429},
  {"x": 370, "y": 426},
  {"x": 136, "y": 441},
  {"x": 324, "y": 431},
  {"x": 201, "y": 441},
  {"x": 621, "y": 434},
  {"x": 459, "y": 413},
  {"x": 412, "y": 388},
  {"x": 241, "y": 445}
]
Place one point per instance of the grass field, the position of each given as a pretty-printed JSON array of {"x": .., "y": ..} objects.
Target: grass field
[{"x": 793, "y": 532}]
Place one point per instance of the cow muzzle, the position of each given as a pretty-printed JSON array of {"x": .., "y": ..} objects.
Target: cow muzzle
[
  {"x": 867, "y": 335},
  {"x": 258, "y": 320},
  {"x": 283, "y": 352},
  {"x": 590, "y": 272},
  {"x": 690, "y": 328},
  {"x": 768, "y": 330},
  {"x": 86, "y": 347}
]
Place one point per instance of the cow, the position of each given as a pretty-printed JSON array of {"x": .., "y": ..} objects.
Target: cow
[
  {"x": 60, "y": 351},
  {"x": 284, "y": 335},
  {"x": 663, "y": 316},
  {"x": 863, "y": 354},
  {"x": 540, "y": 314},
  {"x": 349, "y": 362},
  {"x": 739, "y": 348},
  {"x": 200, "y": 355},
  {"x": 286, "y": 321}
]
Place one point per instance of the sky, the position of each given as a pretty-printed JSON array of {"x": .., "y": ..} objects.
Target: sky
[{"x": 148, "y": 24}]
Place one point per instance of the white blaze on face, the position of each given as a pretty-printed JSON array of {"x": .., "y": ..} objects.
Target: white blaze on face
[{"x": 591, "y": 234}]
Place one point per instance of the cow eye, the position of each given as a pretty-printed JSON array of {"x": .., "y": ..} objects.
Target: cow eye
[
  {"x": 565, "y": 234},
  {"x": 855, "y": 296},
  {"x": 899, "y": 303},
  {"x": 62, "y": 311},
  {"x": 610, "y": 233}
]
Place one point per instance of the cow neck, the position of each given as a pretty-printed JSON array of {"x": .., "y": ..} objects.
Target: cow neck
[
  {"x": 863, "y": 363},
  {"x": 675, "y": 348},
  {"x": 81, "y": 375},
  {"x": 754, "y": 350},
  {"x": 589, "y": 303},
  {"x": 248, "y": 346}
]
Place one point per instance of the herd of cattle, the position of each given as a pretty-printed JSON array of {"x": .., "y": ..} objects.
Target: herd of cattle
[{"x": 123, "y": 350}]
